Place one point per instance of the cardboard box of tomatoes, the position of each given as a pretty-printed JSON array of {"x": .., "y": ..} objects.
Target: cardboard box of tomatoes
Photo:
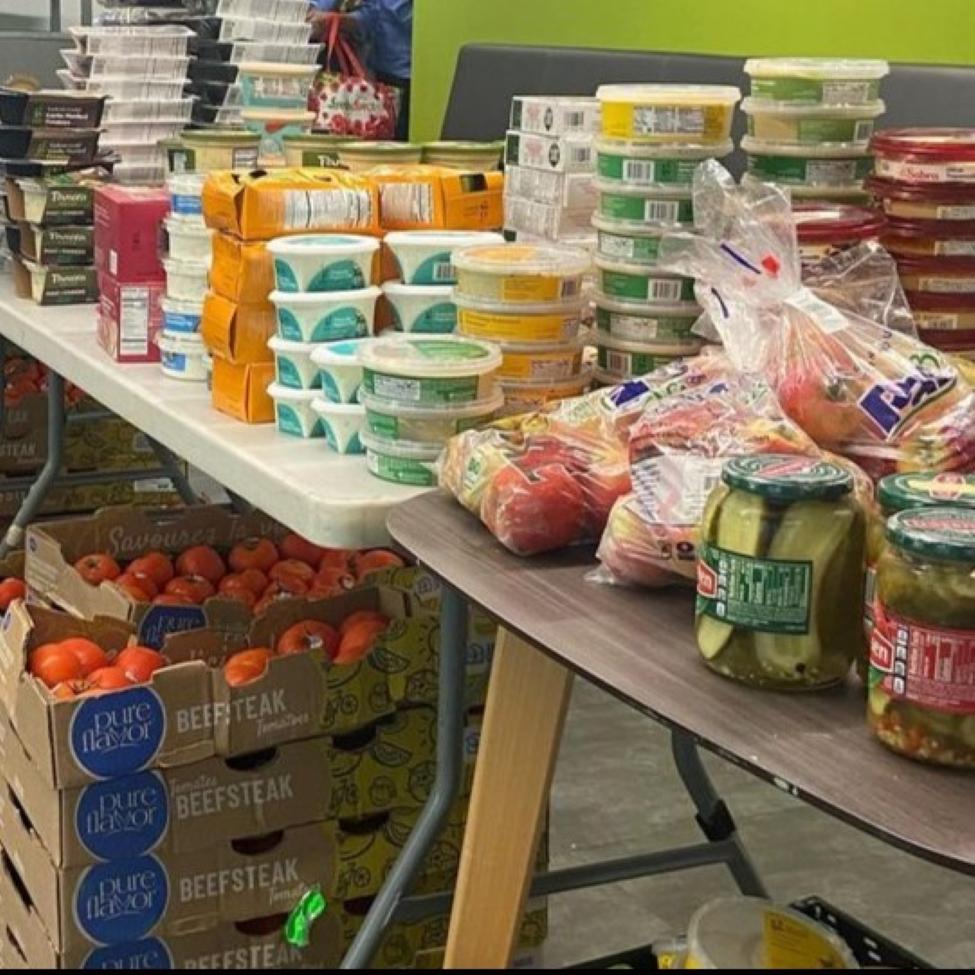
[{"x": 85, "y": 498}]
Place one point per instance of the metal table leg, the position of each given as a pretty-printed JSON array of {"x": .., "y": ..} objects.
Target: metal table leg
[
  {"x": 170, "y": 464},
  {"x": 49, "y": 472},
  {"x": 446, "y": 787}
]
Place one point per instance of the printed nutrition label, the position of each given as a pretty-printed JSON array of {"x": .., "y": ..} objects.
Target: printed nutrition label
[{"x": 134, "y": 321}]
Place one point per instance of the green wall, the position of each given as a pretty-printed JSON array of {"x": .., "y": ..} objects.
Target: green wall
[{"x": 899, "y": 30}]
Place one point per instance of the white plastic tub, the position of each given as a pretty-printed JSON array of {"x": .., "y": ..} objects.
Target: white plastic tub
[
  {"x": 640, "y": 283},
  {"x": 630, "y": 321},
  {"x": 499, "y": 322},
  {"x": 426, "y": 256},
  {"x": 401, "y": 461},
  {"x": 160, "y": 40},
  {"x": 269, "y": 85},
  {"x": 137, "y": 66},
  {"x": 186, "y": 195},
  {"x": 185, "y": 280},
  {"x": 293, "y": 363},
  {"x": 422, "y": 308},
  {"x": 847, "y": 126},
  {"x": 668, "y": 112},
  {"x": 181, "y": 356},
  {"x": 181, "y": 317},
  {"x": 440, "y": 370},
  {"x": 189, "y": 240},
  {"x": 294, "y": 412},
  {"x": 285, "y": 11},
  {"x": 816, "y": 81},
  {"x": 128, "y": 88},
  {"x": 520, "y": 273},
  {"x": 341, "y": 373},
  {"x": 258, "y": 29},
  {"x": 429, "y": 423},
  {"x": 668, "y": 209},
  {"x": 146, "y": 110},
  {"x": 323, "y": 262},
  {"x": 325, "y": 316},
  {"x": 342, "y": 425},
  {"x": 625, "y": 360},
  {"x": 807, "y": 166}
]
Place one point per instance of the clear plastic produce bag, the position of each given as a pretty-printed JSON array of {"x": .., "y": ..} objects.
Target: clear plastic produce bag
[{"x": 862, "y": 389}]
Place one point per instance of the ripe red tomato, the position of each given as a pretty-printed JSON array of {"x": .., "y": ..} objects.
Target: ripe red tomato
[
  {"x": 247, "y": 666},
  {"x": 194, "y": 589},
  {"x": 141, "y": 581},
  {"x": 336, "y": 558},
  {"x": 331, "y": 582},
  {"x": 309, "y": 635},
  {"x": 240, "y": 594},
  {"x": 292, "y": 569},
  {"x": 98, "y": 567},
  {"x": 109, "y": 679},
  {"x": 366, "y": 563},
  {"x": 89, "y": 654},
  {"x": 358, "y": 641},
  {"x": 156, "y": 565},
  {"x": 295, "y": 547},
  {"x": 11, "y": 589},
  {"x": 53, "y": 664},
  {"x": 254, "y": 553},
  {"x": 140, "y": 663},
  {"x": 363, "y": 616},
  {"x": 169, "y": 599},
  {"x": 202, "y": 560}
]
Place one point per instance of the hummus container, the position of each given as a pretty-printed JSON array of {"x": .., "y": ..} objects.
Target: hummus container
[
  {"x": 327, "y": 316},
  {"x": 641, "y": 166},
  {"x": 944, "y": 318},
  {"x": 323, "y": 262},
  {"x": 181, "y": 317},
  {"x": 929, "y": 238},
  {"x": 51, "y": 109},
  {"x": 186, "y": 280},
  {"x": 342, "y": 425},
  {"x": 186, "y": 195},
  {"x": 57, "y": 200},
  {"x": 699, "y": 114},
  {"x": 213, "y": 149},
  {"x": 850, "y": 196},
  {"x": 637, "y": 282},
  {"x": 904, "y": 201},
  {"x": 823, "y": 229},
  {"x": 467, "y": 157},
  {"x": 316, "y": 149},
  {"x": 181, "y": 356},
  {"x": 799, "y": 124},
  {"x": 942, "y": 155},
  {"x": 938, "y": 275},
  {"x": 341, "y": 374},
  {"x": 527, "y": 397},
  {"x": 426, "y": 424},
  {"x": 272, "y": 125},
  {"x": 629, "y": 242},
  {"x": 293, "y": 364},
  {"x": 498, "y": 322},
  {"x": 267, "y": 85},
  {"x": 62, "y": 285},
  {"x": 814, "y": 166},
  {"x": 669, "y": 208},
  {"x": 537, "y": 362},
  {"x": 816, "y": 81},
  {"x": 439, "y": 370},
  {"x": 401, "y": 461},
  {"x": 422, "y": 308},
  {"x": 293, "y": 410},
  {"x": 520, "y": 273},
  {"x": 665, "y": 325},
  {"x": 426, "y": 256},
  {"x": 360, "y": 156},
  {"x": 189, "y": 240},
  {"x": 624, "y": 360},
  {"x": 75, "y": 145}
]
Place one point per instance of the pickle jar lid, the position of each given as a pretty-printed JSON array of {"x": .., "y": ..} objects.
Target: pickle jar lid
[
  {"x": 938, "y": 533},
  {"x": 899, "y": 492},
  {"x": 787, "y": 477}
]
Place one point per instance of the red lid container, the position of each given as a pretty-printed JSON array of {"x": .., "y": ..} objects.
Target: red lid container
[
  {"x": 932, "y": 201},
  {"x": 922, "y": 156},
  {"x": 838, "y": 225},
  {"x": 930, "y": 238},
  {"x": 947, "y": 276}
]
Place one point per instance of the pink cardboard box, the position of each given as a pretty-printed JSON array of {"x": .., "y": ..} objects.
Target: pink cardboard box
[
  {"x": 130, "y": 318},
  {"x": 128, "y": 231}
]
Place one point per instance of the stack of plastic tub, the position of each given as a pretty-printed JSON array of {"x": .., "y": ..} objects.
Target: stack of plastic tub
[
  {"x": 809, "y": 125},
  {"x": 324, "y": 305},
  {"x": 143, "y": 71},
  {"x": 653, "y": 139},
  {"x": 527, "y": 300},
  {"x": 925, "y": 183}
]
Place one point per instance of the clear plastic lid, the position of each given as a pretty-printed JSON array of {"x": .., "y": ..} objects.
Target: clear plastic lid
[
  {"x": 638, "y": 309},
  {"x": 325, "y": 407},
  {"x": 629, "y": 228},
  {"x": 429, "y": 358},
  {"x": 402, "y": 449},
  {"x": 645, "y": 192},
  {"x": 759, "y": 147},
  {"x": 277, "y": 344},
  {"x": 198, "y": 138},
  {"x": 819, "y": 69},
  {"x": 179, "y": 306},
  {"x": 522, "y": 259},
  {"x": 758, "y": 106},
  {"x": 284, "y": 116},
  {"x": 643, "y": 150},
  {"x": 571, "y": 307},
  {"x": 558, "y": 387},
  {"x": 638, "y": 270},
  {"x": 675, "y": 349},
  {"x": 928, "y": 193},
  {"x": 383, "y": 148},
  {"x": 568, "y": 346},
  {"x": 305, "y": 244},
  {"x": 397, "y": 289},
  {"x": 277, "y": 391},
  {"x": 934, "y": 145},
  {"x": 342, "y": 353},
  {"x": 313, "y": 298},
  {"x": 443, "y": 238},
  {"x": 460, "y": 411},
  {"x": 188, "y": 343},
  {"x": 669, "y": 94},
  {"x": 825, "y": 224},
  {"x": 277, "y": 70}
]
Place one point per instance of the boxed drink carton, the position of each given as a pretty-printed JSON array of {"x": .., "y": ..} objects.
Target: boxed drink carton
[
  {"x": 555, "y": 114},
  {"x": 241, "y": 272},
  {"x": 130, "y": 319},
  {"x": 236, "y": 333},
  {"x": 433, "y": 198},
  {"x": 159, "y": 895},
  {"x": 263, "y": 205},
  {"x": 128, "y": 229},
  {"x": 240, "y": 390},
  {"x": 559, "y": 154},
  {"x": 168, "y": 811}
]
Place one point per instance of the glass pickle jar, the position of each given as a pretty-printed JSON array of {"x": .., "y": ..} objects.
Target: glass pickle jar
[
  {"x": 780, "y": 573},
  {"x": 903, "y": 492},
  {"x": 921, "y": 701}
]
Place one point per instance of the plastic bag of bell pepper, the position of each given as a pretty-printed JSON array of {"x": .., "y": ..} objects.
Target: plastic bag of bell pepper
[{"x": 868, "y": 392}]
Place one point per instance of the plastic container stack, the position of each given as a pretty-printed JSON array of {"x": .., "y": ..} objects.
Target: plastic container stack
[
  {"x": 653, "y": 139},
  {"x": 143, "y": 71},
  {"x": 549, "y": 194},
  {"x": 809, "y": 125},
  {"x": 925, "y": 183},
  {"x": 527, "y": 299}
]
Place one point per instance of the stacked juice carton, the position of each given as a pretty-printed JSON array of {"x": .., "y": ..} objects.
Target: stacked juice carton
[
  {"x": 549, "y": 192},
  {"x": 653, "y": 138},
  {"x": 48, "y": 210}
]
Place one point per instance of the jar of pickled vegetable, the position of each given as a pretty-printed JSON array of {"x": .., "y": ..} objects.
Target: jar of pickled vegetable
[
  {"x": 903, "y": 492},
  {"x": 780, "y": 573},
  {"x": 921, "y": 701}
]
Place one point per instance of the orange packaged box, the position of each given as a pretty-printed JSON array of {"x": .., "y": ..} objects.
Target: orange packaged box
[
  {"x": 241, "y": 272},
  {"x": 237, "y": 333},
  {"x": 433, "y": 198},
  {"x": 264, "y": 205},
  {"x": 240, "y": 390}
]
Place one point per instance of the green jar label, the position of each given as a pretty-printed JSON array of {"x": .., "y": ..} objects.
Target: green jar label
[
  {"x": 438, "y": 319},
  {"x": 640, "y": 287},
  {"x": 640, "y": 250},
  {"x": 638, "y": 328},
  {"x": 646, "y": 209},
  {"x": 623, "y": 363},
  {"x": 402, "y": 470},
  {"x": 436, "y": 269},
  {"x": 383, "y": 425},
  {"x": 646, "y": 172},
  {"x": 816, "y": 130},
  {"x": 813, "y": 91},
  {"x": 770, "y": 595},
  {"x": 344, "y": 322},
  {"x": 813, "y": 172},
  {"x": 461, "y": 389}
]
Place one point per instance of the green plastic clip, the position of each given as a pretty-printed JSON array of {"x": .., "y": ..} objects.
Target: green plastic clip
[{"x": 297, "y": 929}]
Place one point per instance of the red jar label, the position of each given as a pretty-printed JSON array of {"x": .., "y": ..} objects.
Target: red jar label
[{"x": 929, "y": 666}]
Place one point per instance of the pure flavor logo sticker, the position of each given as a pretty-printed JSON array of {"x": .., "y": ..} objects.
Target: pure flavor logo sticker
[
  {"x": 148, "y": 955},
  {"x": 120, "y": 902},
  {"x": 160, "y": 621},
  {"x": 123, "y": 818},
  {"x": 118, "y": 734}
]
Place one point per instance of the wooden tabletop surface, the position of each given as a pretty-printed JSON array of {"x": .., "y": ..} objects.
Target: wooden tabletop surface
[{"x": 639, "y": 646}]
